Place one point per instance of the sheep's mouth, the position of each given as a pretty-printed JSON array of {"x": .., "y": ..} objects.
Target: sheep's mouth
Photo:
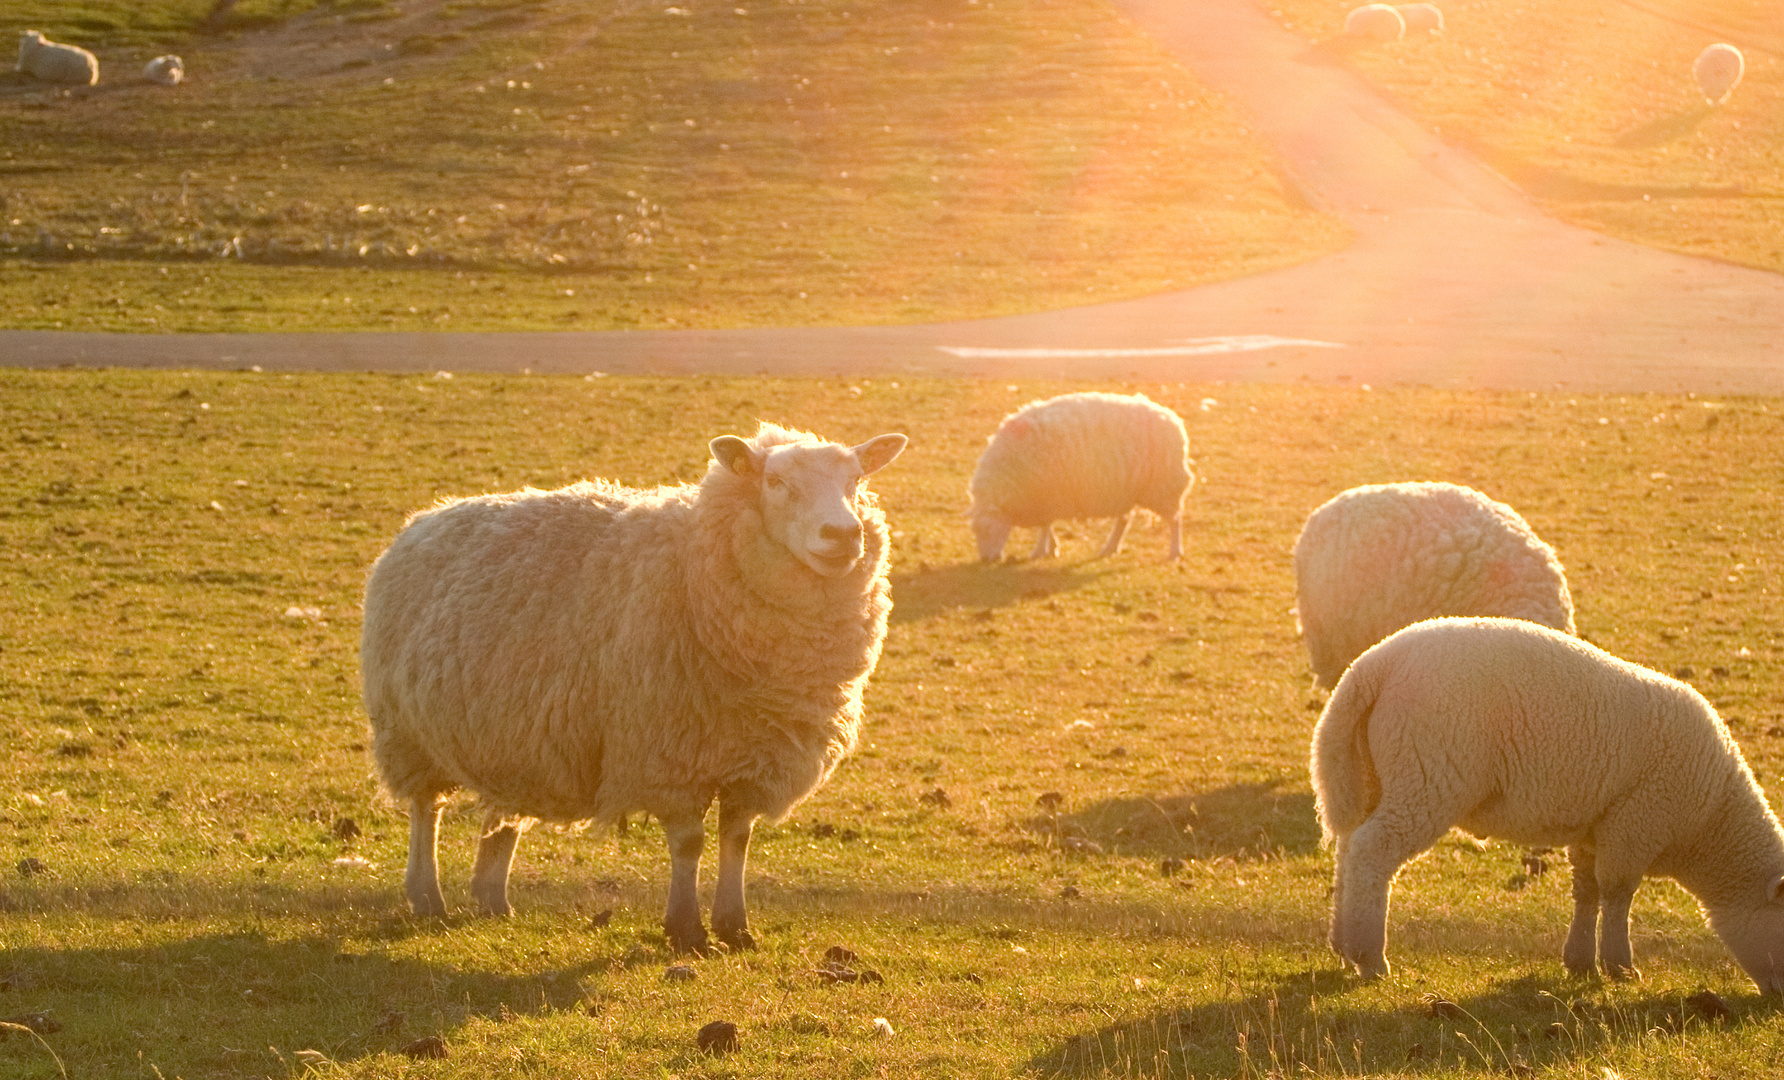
[{"x": 833, "y": 565}]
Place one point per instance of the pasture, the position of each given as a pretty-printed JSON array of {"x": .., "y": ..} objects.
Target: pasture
[
  {"x": 567, "y": 165},
  {"x": 203, "y": 881},
  {"x": 1590, "y": 108}
]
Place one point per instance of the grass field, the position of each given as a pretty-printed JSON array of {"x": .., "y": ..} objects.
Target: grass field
[
  {"x": 185, "y": 741},
  {"x": 560, "y": 164},
  {"x": 1590, "y": 107}
]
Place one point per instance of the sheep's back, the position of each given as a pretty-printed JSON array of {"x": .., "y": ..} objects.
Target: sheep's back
[{"x": 1085, "y": 456}]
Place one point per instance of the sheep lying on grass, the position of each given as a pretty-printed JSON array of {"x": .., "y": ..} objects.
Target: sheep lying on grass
[
  {"x": 1718, "y": 71},
  {"x": 1421, "y": 17},
  {"x": 1086, "y": 455},
  {"x": 581, "y": 653},
  {"x": 1375, "y": 22},
  {"x": 1383, "y": 556},
  {"x": 55, "y": 62},
  {"x": 1513, "y": 730},
  {"x": 167, "y": 70}
]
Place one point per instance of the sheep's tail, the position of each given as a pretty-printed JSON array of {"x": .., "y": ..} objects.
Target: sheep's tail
[{"x": 1345, "y": 786}]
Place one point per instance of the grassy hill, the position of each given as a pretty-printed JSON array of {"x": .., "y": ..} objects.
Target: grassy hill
[
  {"x": 562, "y": 164},
  {"x": 181, "y": 562},
  {"x": 1590, "y": 107}
]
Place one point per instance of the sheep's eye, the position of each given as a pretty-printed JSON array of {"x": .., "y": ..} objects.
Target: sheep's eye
[{"x": 774, "y": 482}]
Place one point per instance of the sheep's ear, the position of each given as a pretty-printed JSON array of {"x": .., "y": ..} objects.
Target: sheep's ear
[
  {"x": 878, "y": 452},
  {"x": 1776, "y": 890},
  {"x": 735, "y": 454}
]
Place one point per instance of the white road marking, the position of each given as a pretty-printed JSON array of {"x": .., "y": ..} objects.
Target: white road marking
[{"x": 1186, "y": 347}]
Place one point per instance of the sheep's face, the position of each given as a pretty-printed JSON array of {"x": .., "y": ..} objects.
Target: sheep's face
[
  {"x": 992, "y": 530},
  {"x": 1756, "y": 936},
  {"x": 812, "y": 494}
]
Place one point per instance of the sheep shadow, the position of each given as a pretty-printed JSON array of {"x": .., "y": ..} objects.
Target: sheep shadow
[
  {"x": 1240, "y": 822},
  {"x": 244, "y": 1002},
  {"x": 927, "y": 591},
  {"x": 1518, "y": 1027},
  {"x": 1544, "y": 182},
  {"x": 1665, "y": 129}
]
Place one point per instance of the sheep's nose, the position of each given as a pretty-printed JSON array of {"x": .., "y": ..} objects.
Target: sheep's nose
[{"x": 851, "y": 531}]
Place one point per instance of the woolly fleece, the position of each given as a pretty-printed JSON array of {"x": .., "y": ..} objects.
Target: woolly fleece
[
  {"x": 55, "y": 62},
  {"x": 1382, "y": 556},
  {"x": 1515, "y": 731}
]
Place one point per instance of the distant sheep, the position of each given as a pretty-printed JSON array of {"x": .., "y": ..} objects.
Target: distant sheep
[
  {"x": 1382, "y": 556},
  {"x": 167, "y": 70},
  {"x": 1375, "y": 22},
  {"x": 585, "y": 652},
  {"x": 1421, "y": 17},
  {"x": 54, "y": 62},
  {"x": 1512, "y": 730},
  {"x": 1718, "y": 71},
  {"x": 1088, "y": 455}
]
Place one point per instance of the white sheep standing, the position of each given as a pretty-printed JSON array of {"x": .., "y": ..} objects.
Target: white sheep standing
[
  {"x": 1382, "y": 556},
  {"x": 167, "y": 70},
  {"x": 1512, "y": 730},
  {"x": 1089, "y": 455},
  {"x": 55, "y": 62},
  {"x": 1718, "y": 71},
  {"x": 1376, "y": 22},
  {"x": 1417, "y": 17},
  {"x": 581, "y": 653}
]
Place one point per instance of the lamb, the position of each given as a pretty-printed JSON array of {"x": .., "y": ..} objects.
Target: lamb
[
  {"x": 1382, "y": 556},
  {"x": 167, "y": 70},
  {"x": 1419, "y": 17},
  {"x": 1376, "y": 22},
  {"x": 1718, "y": 71},
  {"x": 1517, "y": 731},
  {"x": 1089, "y": 455},
  {"x": 581, "y": 653},
  {"x": 55, "y": 62}
]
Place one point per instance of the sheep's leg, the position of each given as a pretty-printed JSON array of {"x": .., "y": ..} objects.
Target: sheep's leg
[
  {"x": 1045, "y": 545},
  {"x": 681, "y": 921},
  {"x": 421, "y": 882},
  {"x": 730, "y": 919},
  {"x": 1582, "y": 933},
  {"x": 1116, "y": 532},
  {"x": 1341, "y": 849},
  {"x": 1616, "y": 893},
  {"x": 1174, "y": 526},
  {"x": 495, "y": 854},
  {"x": 1372, "y": 858}
]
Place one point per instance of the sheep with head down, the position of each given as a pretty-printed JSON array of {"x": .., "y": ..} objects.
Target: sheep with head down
[
  {"x": 168, "y": 70},
  {"x": 585, "y": 652},
  {"x": 53, "y": 61},
  {"x": 1515, "y": 731},
  {"x": 1375, "y": 22},
  {"x": 1718, "y": 71},
  {"x": 1089, "y": 455}
]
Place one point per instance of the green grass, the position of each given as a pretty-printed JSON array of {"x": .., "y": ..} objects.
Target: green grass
[
  {"x": 1590, "y": 107},
  {"x": 180, "y": 750},
  {"x": 557, "y": 164}
]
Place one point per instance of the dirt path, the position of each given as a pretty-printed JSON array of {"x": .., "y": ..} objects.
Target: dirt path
[{"x": 1455, "y": 280}]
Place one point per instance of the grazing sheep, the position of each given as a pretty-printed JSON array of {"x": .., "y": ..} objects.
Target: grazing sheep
[
  {"x": 1086, "y": 455},
  {"x": 1376, "y": 22},
  {"x": 1419, "y": 17},
  {"x": 1718, "y": 71},
  {"x": 1383, "y": 556},
  {"x": 167, "y": 70},
  {"x": 1516, "y": 731},
  {"x": 54, "y": 62},
  {"x": 581, "y": 653}
]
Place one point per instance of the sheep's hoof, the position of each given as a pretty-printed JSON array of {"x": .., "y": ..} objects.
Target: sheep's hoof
[
  {"x": 1622, "y": 973},
  {"x": 689, "y": 943},
  {"x": 740, "y": 940}
]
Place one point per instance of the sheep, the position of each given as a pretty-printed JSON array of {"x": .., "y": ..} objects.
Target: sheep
[
  {"x": 55, "y": 62},
  {"x": 167, "y": 70},
  {"x": 1517, "y": 731},
  {"x": 577, "y": 654},
  {"x": 1088, "y": 455},
  {"x": 1718, "y": 71},
  {"x": 1421, "y": 17},
  {"x": 1381, "y": 556},
  {"x": 1376, "y": 22}
]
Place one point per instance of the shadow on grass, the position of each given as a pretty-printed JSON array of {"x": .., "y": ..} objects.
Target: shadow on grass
[
  {"x": 1542, "y": 182},
  {"x": 1241, "y": 821},
  {"x": 1302, "y": 1025},
  {"x": 1665, "y": 129},
  {"x": 928, "y": 591}
]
